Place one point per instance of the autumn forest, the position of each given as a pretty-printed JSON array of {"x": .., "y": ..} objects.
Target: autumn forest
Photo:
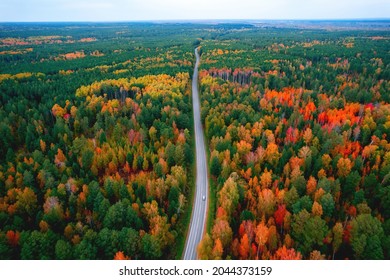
[{"x": 97, "y": 144}]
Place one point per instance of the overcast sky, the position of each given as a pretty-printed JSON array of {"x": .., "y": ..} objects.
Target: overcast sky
[{"x": 135, "y": 10}]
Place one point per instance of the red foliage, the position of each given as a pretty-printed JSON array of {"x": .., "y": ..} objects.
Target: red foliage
[
  {"x": 13, "y": 237},
  {"x": 280, "y": 214},
  {"x": 292, "y": 135},
  {"x": 352, "y": 211},
  {"x": 369, "y": 106},
  {"x": 347, "y": 233}
]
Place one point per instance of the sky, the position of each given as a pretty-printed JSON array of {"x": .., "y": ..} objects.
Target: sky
[{"x": 141, "y": 10}]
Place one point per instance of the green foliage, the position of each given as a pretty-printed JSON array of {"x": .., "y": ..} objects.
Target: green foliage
[
  {"x": 366, "y": 235},
  {"x": 63, "y": 250},
  {"x": 308, "y": 231},
  {"x": 99, "y": 121},
  {"x": 121, "y": 215},
  {"x": 215, "y": 166}
]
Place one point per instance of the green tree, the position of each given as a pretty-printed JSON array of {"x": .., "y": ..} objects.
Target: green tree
[
  {"x": 215, "y": 167},
  {"x": 37, "y": 245},
  {"x": 366, "y": 227},
  {"x": 309, "y": 232},
  {"x": 120, "y": 215},
  {"x": 327, "y": 204},
  {"x": 150, "y": 248},
  {"x": 351, "y": 183},
  {"x": 63, "y": 250},
  {"x": 87, "y": 249},
  {"x": 130, "y": 242},
  {"x": 87, "y": 159}
]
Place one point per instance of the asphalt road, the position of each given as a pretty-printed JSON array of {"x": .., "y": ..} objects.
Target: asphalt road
[{"x": 199, "y": 210}]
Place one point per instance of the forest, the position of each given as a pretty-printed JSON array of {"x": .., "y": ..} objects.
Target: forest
[
  {"x": 297, "y": 127},
  {"x": 97, "y": 156}
]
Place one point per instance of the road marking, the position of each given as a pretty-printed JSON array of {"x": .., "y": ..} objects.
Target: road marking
[{"x": 198, "y": 216}]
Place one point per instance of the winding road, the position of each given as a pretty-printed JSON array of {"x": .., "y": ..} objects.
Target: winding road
[{"x": 199, "y": 210}]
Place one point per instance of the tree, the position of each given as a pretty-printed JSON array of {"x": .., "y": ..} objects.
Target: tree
[
  {"x": 266, "y": 179},
  {"x": 27, "y": 202},
  {"x": 308, "y": 231},
  {"x": 286, "y": 254},
  {"x": 304, "y": 202},
  {"x": 266, "y": 205},
  {"x": 344, "y": 167},
  {"x": 228, "y": 196},
  {"x": 150, "y": 248},
  {"x": 384, "y": 194},
  {"x": 129, "y": 242},
  {"x": 279, "y": 215},
  {"x": 205, "y": 247},
  {"x": 262, "y": 233},
  {"x": 37, "y": 245},
  {"x": 351, "y": 183},
  {"x": 215, "y": 166},
  {"x": 366, "y": 227},
  {"x": 160, "y": 230},
  {"x": 337, "y": 237},
  {"x": 316, "y": 255},
  {"x": 327, "y": 204},
  {"x": 87, "y": 249},
  {"x": 173, "y": 200},
  {"x": 291, "y": 197},
  {"x": 63, "y": 250},
  {"x": 13, "y": 237},
  {"x": 316, "y": 210},
  {"x": 311, "y": 185},
  {"x": 217, "y": 250},
  {"x": 272, "y": 154},
  {"x": 87, "y": 159},
  {"x": 108, "y": 243},
  {"x": 222, "y": 231},
  {"x": 373, "y": 250},
  {"x": 121, "y": 215},
  {"x": 120, "y": 256},
  {"x": 244, "y": 247}
]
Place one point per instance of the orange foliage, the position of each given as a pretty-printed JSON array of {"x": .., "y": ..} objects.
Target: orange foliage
[
  {"x": 217, "y": 250},
  {"x": 244, "y": 247},
  {"x": 58, "y": 111},
  {"x": 286, "y": 254},
  {"x": 120, "y": 256},
  {"x": 13, "y": 237},
  {"x": 287, "y": 97}
]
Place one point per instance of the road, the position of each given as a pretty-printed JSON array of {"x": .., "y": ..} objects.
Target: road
[{"x": 199, "y": 210}]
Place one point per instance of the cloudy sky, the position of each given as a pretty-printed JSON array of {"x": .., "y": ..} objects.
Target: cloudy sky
[{"x": 135, "y": 10}]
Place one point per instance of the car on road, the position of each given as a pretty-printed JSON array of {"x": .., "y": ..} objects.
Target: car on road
[{"x": 203, "y": 197}]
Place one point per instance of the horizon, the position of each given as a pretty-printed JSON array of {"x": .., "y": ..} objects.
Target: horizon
[{"x": 213, "y": 20}]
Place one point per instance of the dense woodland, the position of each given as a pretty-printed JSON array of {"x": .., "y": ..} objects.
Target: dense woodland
[
  {"x": 298, "y": 130},
  {"x": 96, "y": 142},
  {"x": 97, "y": 151}
]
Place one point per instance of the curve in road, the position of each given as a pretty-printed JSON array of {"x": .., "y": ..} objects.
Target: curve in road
[{"x": 199, "y": 210}]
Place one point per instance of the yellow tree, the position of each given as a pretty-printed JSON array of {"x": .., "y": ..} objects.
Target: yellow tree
[
  {"x": 344, "y": 167},
  {"x": 205, "y": 248},
  {"x": 261, "y": 236}
]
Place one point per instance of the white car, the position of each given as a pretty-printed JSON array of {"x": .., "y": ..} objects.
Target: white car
[{"x": 203, "y": 197}]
